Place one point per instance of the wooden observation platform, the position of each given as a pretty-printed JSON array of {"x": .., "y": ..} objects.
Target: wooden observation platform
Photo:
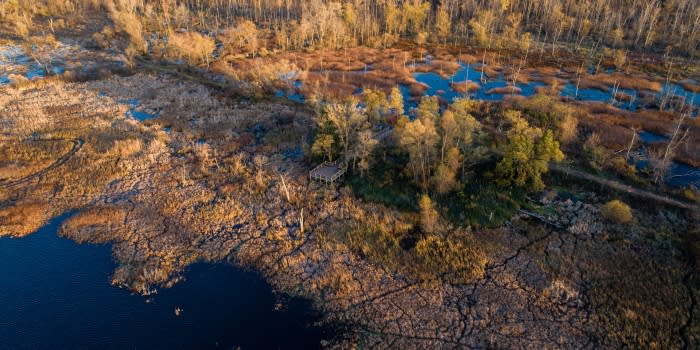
[{"x": 328, "y": 172}]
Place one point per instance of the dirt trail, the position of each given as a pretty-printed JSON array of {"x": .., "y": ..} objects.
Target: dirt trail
[
  {"x": 77, "y": 144},
  {"x": 622, "y": 187}
]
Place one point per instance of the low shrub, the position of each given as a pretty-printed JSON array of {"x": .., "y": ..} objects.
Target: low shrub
[
  {"x": 456, "y": 259},
  {"x": 617, "y": 211}
]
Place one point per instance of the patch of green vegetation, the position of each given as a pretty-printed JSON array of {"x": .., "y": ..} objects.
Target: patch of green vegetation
[
  {"x": 617, "y": 211},
  {"x": 546, "y": 210},
  {"x": 385, "y": 183},
  {"x": 455, "y": 259},
  {"x": 483, "y": 205},
  {"x": 477, "y": 204},
  {"x": 372, "y": 243}
]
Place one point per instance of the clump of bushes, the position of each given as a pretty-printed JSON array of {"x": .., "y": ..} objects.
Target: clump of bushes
[
  {"x": 242, "y": 39},
  {"x": 455, "y": 259},
  {"x": 128, "y": 22},
  {"x": 193, "y": 47},
  {"x": 692, "y": 194},
  {"x": 617, "y": 211},
  {"x": 396, "y": 245}
]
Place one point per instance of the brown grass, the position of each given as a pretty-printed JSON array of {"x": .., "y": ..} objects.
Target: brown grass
[
  {"x": 332, "y": 73},
  {"x": 621, "y": 96},
  {"x": 587, "y": 83},
  {"x": 352, "y": 59},
  {"x": 690, "y": 85},
  {"x": 81, "y": 225},
  {"x": 510, "y": 89},
  {"x": 490, "y": 70},
  {"x": 22, "y": 218},
  {"x": 467, "y": 58},
  {"x": 443, "y": 68},
  {"x": 465, "y": 87},
  {"x": 625, "y": 81},
  {"x": 25, "y": 158}
]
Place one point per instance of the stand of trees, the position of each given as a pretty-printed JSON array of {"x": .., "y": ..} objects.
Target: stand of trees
[
  {"x": 437, "y": 147},
  {"x": 672, "y": 25}
]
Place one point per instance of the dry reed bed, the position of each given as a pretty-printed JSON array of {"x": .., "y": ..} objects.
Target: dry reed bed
[
  {"x": 626, "y": 81},
  {"x": 341, "y": 73},
  {"x": 616, "y": 127},
  {"x": 56, "y": 110},
  {"x": 352, "y": 59},
  {"x": 20, "y": 159}
]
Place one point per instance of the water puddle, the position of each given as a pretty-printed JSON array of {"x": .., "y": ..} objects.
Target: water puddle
[
  {"x": 622, "y": 98},
  {"x": 294, "y": 154},
  {"x": 15, "y": 61},
  {"x": 294, "y": 96},
  {"x": 292, "y": 92},
  {"x": 133, "y": 111},
  {"x": 683, "y": 176}
]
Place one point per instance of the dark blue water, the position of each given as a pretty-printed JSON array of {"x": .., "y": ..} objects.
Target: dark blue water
[
  {"x": 55, "y": 294},
  {"x": 689, "y": 97},
  {"x": 649, "y": 137},
  {"x": 683, "y": 176},
  {"x": 597, "y": 95}
]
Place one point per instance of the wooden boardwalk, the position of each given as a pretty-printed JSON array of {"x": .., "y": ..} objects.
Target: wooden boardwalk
[
  {"x": 383, "y": 134},
  {"x": 622, "y": 187}
]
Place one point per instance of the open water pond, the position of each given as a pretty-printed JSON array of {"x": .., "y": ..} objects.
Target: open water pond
[{"x": 56, "y": 294}]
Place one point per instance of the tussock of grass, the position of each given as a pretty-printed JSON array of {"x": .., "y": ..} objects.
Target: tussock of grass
[
  {"x": 443, "y": 68},
  {"x": 490, "y": 71},
  {"x": 465, "y": 87},
  {"x": 622, "y": 96},
  {"x": 603, "y": 81},
  {"x": 510, "y": 89},
  {"x": 690, "y": 85}
]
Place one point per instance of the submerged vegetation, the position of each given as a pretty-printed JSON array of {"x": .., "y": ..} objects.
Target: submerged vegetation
[{"x": 511, "y": 168}]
